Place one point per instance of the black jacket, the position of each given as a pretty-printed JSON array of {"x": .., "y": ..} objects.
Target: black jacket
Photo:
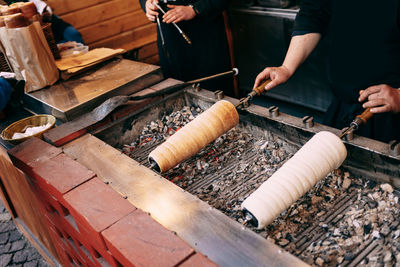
[
  {"x": 364, "y": 40},
  {"x": 209, "y": 52}
]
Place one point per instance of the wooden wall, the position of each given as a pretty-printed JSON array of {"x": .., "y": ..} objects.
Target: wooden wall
[{"x": 111, "y": 23}]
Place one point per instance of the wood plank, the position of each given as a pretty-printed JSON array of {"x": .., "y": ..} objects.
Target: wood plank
[
  {"x": 61, "y": 7},
  {"x": 112, "y": 27},
  {"x": 148, "y": 51},
  {"x": 24, "y": 200},
  {"x": 155, "y": 60},
  {"x": 101, "y": 12},
  {"x": 206, "y": 229},
  {"x": 131, "y": 39}
]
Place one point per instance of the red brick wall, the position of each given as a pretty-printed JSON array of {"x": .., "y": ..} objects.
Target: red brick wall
[{"x": 91, "y": 224}]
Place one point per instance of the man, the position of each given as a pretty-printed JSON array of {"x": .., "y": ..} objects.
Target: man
[
  {"x": 363, "y": 65},
  {"x": 203, "y": 23}
]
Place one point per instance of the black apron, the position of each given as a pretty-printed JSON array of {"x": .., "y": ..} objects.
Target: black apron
[
  {"x": 208, "y": 54},
  {"x": 364, "y": 51}
]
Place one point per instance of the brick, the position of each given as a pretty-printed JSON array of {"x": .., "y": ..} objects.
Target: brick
[
  {"x": 31, "y": 153},
  {"x": 50, "y": 202},
  {"x": 60, "y": 175},
  {"x": 198, "y": 260},
  {"x": 58, "y": 245},
  {"x": 84, "y": 253},
  {"x": 95, "y": 206},
  {"x": 106, "y": 259},
  {"x": 139, "y": 240}
]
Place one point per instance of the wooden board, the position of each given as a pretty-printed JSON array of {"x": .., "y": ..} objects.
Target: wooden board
[
  {"x": 112, "y": 23},
  {"x": 94, "y": 56},
  {"x": 66, "y": 6},
  {"x": 132, "y": 39},
  {"x": 99, "y": 13},
  {"x": 206, "y": 229},
  {"x": 113, "y": 26},
  {"x": 68, "y": 99}
]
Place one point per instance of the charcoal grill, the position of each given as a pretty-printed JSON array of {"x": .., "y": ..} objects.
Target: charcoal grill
[{"x": 367, "y": 158}]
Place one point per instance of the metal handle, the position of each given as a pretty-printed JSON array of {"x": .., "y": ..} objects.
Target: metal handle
[
  {"x": 187, "y": 39},
  {"x": 233, "y": 72}
]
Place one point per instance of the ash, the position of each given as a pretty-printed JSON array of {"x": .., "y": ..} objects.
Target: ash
[{"x": 342, "y": 221}]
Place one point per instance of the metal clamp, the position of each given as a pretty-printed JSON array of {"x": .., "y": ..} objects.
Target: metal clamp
[
  {"x": 244, "y": 102},
  {"x": 196, "y": 87},
  {"x": 273, "y": 111},
  {"x": 219, "y": 94},
  {"x": 394, "y": 148},
  {"x": 349, "y": 134},
  {"x": 308, "y": 121}
]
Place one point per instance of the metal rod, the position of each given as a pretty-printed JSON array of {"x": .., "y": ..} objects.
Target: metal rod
[
  {"x": 234, "y": 71},
  {"x": 187, "y": 39}
]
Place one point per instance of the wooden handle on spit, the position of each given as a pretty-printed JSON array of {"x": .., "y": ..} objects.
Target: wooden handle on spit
[
  {"x": 366, "y": 115},
  {"x": 261, "y": 88}
]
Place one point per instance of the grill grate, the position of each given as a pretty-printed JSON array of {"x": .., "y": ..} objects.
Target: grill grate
[{"x": 228, "y": 170}]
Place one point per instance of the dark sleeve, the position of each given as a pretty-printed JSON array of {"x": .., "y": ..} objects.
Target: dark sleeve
[
  {"x": 143, "y": 5},
  {"x": 207, "y": 8},
  {"x": 314, "y": 16}
]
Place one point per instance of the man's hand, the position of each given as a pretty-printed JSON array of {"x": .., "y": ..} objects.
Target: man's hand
[
  {"x": 151, "y": 10},
  {"x": 278, "y": 75},
  {"x": 381, "y": 98},
  {"x": 178, "y": 13}
]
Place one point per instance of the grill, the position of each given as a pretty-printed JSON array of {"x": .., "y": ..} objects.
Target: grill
[{"x": 225, "y": 172}]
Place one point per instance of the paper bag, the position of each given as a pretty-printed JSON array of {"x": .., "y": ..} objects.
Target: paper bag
[
  {"x": 9, "y": 53},
  {"x": 30, "y": 56}
]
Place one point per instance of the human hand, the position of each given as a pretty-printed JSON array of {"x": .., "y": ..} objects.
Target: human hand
[
  {"x": 381, "y": 98},
  {"x": 151, "y": 10},
  {"x": 178, "y": 13},
  {"x": 278, "y": 75}
]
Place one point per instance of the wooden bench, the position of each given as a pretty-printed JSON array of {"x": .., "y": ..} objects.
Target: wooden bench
[{"x": 111, "y": 23}]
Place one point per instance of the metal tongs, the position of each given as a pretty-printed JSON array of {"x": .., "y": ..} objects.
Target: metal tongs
[{"x": 187, "y": 39}]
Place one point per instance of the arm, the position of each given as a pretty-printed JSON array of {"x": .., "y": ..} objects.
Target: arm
[
  {"x": 311, "y": 23},
  {"x": 299, "y": 49}
]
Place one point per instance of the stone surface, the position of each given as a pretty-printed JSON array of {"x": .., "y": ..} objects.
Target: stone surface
[{"x": 15, "y": 249}]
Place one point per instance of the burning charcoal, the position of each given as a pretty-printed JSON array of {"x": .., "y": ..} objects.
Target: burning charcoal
[
  {"x": 376, "y": 234},
  {"x": 349, "y": 256},
  {"x": 346, "y": 183},
  {"x": 367, "y": 228},
  {"x": 388, "y": 257},
  {"x": 283, "y": 242},
  {"x": 229, "y": 169},
  {"x": 387, "y": 188}
]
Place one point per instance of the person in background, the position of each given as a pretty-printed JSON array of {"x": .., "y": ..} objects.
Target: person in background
[
  {"x": 203, "y": 23},
  {"x": 5, "y": 96},
  {"x": 63, "y": 32},
  {"x": 363, "y": 61}
]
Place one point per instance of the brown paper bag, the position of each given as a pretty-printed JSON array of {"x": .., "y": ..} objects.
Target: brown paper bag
[
  {"x": 9, "y": 53},
  {"x": 30, "y": 54}
]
